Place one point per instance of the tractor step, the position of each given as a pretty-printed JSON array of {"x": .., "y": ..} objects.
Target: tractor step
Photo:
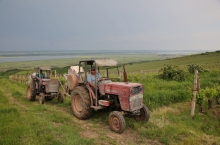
[{"x": 104, "y": 103}]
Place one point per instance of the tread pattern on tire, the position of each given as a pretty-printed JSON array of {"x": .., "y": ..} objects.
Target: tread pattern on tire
[
  {"x": 146, "y": 111},
  {"x": 84, "y": 95},
  {"x": 42, "y": 97},
  {"x": 32, "y": 88},
  {"x": 60, "y": 97}
]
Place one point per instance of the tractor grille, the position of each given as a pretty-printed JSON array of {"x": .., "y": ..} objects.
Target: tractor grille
[
  {"x": 136, "y": 90},
  {"x": 136, "y": 101},
  {"x": 53, "y": 86}
]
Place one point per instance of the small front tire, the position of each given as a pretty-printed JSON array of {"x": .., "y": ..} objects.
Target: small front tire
[
  {"x": 41, "y": 98},
  {"x": 144, "y": 114},
  {"x": 117, "y": 122},
  {"x": 60, "y": 98}
]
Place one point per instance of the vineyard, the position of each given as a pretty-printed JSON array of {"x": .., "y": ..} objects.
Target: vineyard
[
  {"x": 175, "y": 84},
  {"x": 23, "y": 78},
  {"x": 168, "y": 91}
]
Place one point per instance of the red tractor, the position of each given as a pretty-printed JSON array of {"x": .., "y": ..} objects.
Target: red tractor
[{"x": 124, "y": 97}]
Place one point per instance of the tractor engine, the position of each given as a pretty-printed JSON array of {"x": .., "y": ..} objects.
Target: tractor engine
[{"x": 127, "y": 96}]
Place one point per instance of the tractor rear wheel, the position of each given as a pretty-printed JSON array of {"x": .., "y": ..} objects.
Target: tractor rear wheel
[
  {"x": 117, "y": 122},
  {"x": 60, "y": 97},
  {"x": 144, "y": 114},
  {"x": 80, "y": 102},
  {"x": 31, "y": 91},
  {"x": 41, "y": 98}
]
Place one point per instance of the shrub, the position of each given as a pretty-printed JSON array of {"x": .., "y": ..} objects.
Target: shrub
[
  {"x": 192, "y": 68},
  {"x": 210, "y": 93},
  {"x": 200, "y": 97},
  {"x": 172, "y": 72},
  {"x": 206, "y": 94}
]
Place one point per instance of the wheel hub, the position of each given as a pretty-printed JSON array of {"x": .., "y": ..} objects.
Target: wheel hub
[{"x": 116, "y": 122}]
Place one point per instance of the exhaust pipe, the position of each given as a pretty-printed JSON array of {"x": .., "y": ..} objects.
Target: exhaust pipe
[{"x": 125, "y": 74}]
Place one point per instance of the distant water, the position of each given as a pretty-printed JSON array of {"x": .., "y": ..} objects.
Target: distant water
[
  {"x": 30, "y": 58},
  {"x": 15, "y": 56}
]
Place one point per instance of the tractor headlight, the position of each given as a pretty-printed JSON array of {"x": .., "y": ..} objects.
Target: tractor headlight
[
  {"x": 139, "y": 96},
  {"x": 135, "y": 90}
]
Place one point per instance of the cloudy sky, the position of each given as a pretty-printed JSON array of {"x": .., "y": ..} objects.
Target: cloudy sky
[{"x": 109, "y": 24}]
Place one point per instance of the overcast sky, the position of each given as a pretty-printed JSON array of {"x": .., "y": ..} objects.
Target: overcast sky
[{"x": 109, "y": 24}]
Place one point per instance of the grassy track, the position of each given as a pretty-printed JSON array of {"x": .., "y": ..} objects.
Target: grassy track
[{"x": 25, "y": 122}]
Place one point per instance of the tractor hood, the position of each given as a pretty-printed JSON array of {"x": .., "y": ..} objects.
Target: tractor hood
[
  {"x": 123, "y": 84},
  {"x": 121, "y": 88}
]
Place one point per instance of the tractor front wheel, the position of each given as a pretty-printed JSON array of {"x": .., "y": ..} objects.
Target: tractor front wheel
[
  {"x": 144, "y": 114},
  {"x": 60, "y": 97},
  {"x": 80, "y": 102},
  {"x": 41, "y": 98},
  {"x": 117, "y": 122}
]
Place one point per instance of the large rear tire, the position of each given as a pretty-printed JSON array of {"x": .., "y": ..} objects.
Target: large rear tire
[
  {"x": 117, "y": 122},
  {"x": 80, "y": 102},
  {"x": 144, "y": 114},
  {"x": 31, "y": 91}
]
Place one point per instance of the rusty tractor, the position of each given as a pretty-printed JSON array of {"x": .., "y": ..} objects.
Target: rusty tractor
[
  {"x": 125, "y": 98},
  {"x": 39, "y": 83}
]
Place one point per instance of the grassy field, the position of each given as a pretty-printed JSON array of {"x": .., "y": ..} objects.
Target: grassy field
[
  {"x": 24, "y": 122},
  {"x": 121, "y": 58},
  {"x": 210, "y": 61}
]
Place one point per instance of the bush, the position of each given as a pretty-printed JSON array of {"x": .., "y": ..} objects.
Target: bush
[
  {"x": 207, "y": 94},
  {"x": 200, "y": 97},
  {"x": 172, "y": 72},
  {"x": 192, "y": 68}
]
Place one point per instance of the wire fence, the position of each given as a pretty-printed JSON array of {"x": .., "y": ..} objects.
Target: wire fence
[
  {"x": 54, "y": 75},
  {"x": 24, "y": 78}
]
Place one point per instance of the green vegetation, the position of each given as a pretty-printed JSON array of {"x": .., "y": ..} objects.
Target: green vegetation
[
  {"x": 170, "y": 72},
  {"x": 24, "y": 122},
  {"x": 192, "y": 68}
]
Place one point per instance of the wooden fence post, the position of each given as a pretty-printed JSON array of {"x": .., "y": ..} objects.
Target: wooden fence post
[{"x": 195, "y": 89}]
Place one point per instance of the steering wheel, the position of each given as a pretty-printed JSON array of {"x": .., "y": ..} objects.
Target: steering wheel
[{"x": 102, "y": 79}]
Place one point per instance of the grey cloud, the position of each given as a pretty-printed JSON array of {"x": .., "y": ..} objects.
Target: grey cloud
[{"x": 98, "y": 24}]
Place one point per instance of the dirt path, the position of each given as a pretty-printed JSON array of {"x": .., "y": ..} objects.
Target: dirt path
[{"x": 96, "y": 130}]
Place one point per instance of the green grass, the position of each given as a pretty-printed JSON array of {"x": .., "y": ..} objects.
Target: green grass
[
  {"x": 173, "y": 125},
  {"x": 24, "y": 122},
  {"x": 210, "y": 61}
]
